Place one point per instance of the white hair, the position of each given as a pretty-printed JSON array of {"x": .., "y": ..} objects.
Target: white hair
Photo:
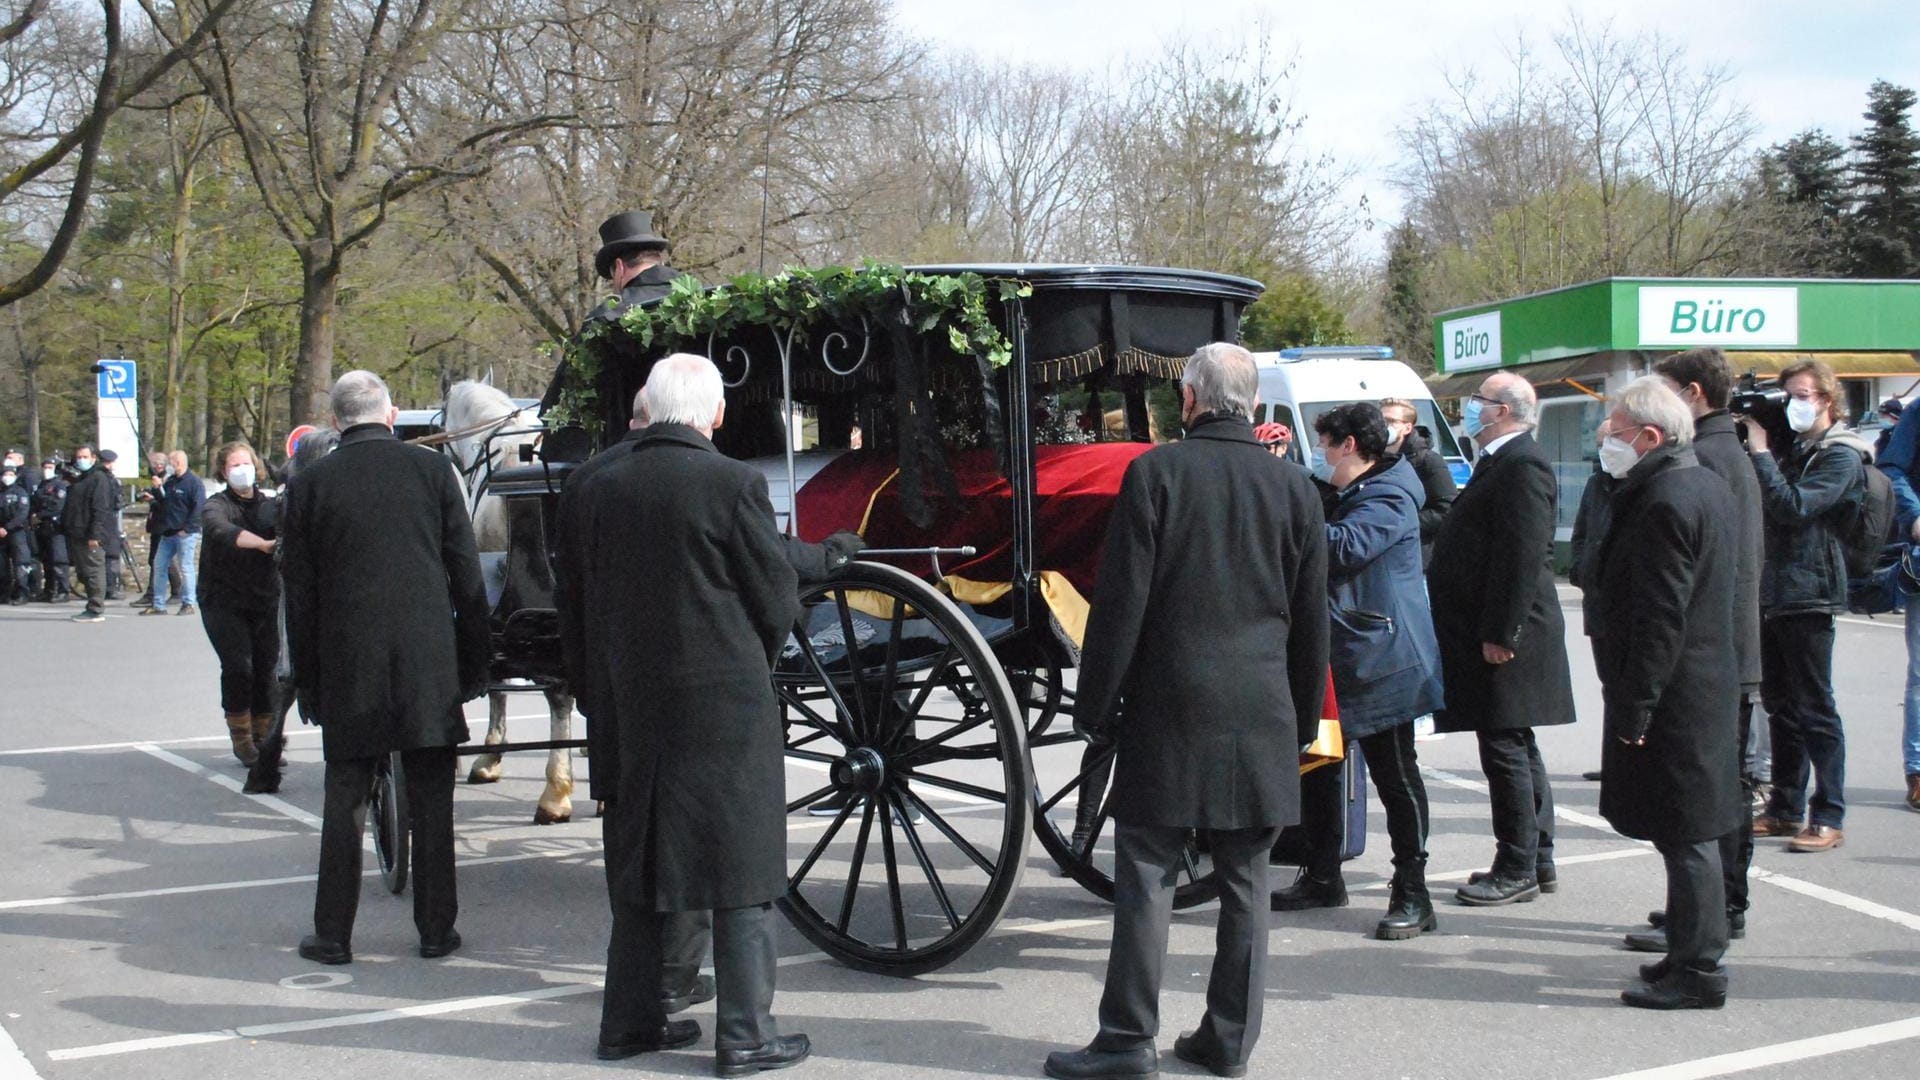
[
  {"x": 1223, "y": 378},
  {"x": 1651, "y": 400},
  {"x": 360, "y": 397},
  {"x": 683, "y": 388},
  {"x": 641, "y": 417}
]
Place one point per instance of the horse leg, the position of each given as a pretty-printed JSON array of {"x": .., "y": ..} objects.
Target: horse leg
[
  {"x": 486, "y": 767},
  {"x": 556, "y": 802}
]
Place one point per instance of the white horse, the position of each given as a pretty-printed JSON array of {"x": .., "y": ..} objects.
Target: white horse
[{"x": 489, "y": 430}]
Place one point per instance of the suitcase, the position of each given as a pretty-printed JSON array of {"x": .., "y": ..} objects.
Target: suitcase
[{"x": 1291, "y": 848}]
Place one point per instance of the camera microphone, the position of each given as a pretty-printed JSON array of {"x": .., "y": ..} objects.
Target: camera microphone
[{"x": 98, "y": 369}]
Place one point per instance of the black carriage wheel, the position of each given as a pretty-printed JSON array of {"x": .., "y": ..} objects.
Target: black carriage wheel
[
  {"x": 387, "y": 812},
  {"x": 1071, "y": 778},
  {"x": 914, "y": 737}
]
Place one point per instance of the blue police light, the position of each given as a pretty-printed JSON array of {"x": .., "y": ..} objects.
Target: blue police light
[{"x": 1338, "y": 352}]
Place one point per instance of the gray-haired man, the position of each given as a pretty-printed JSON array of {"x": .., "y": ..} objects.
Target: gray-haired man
[{"x": 1216, "y": 554}]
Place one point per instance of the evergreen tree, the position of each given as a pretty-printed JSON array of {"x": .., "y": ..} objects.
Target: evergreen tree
[
  {"x": 1409, "y": 322},
  {"x": 1802, "y": 189},
  {"x": 1886, "y": 187}
]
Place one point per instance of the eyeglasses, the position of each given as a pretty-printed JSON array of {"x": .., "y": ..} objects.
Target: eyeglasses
[{"x": 1484, "y": 400}]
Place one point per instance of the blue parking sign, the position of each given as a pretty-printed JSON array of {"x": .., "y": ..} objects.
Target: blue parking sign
[{"x": 116, "y": 379}]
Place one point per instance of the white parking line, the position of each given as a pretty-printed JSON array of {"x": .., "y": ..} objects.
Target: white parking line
[
  {"x": 277, "y": 805},
  {"x": 301, "y": 733},
  {"x": 14, "y": 1064},
  {"x": 1780, "y": 1053},
  {"x": 442, "y": 1008}
]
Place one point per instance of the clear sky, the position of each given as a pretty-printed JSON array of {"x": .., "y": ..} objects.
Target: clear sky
[{"x": 1364, "y": 65}]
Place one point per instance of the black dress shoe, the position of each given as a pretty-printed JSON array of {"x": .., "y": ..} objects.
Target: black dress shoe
[
  {"x": 1091, "y": 1064},
  {"x": 1654, "y": 972},
  {"x": 671, "y": 1035},
  {"x": 1654, "y": 941},
  {"x": 430, "y": 950},
  {"x": 1308, "y": 892},
  {"x": 700, "y": 992},
  {"x": 1544, "y": 873},
  {"x": 1189, "y": 1049},
  {"x": 321, "y": 951},
  {"x": 1736, "y": 923},
  {"x": 778, "y": 1054},
  {"x": 1496, "y": 889},
  {"x": 1680, "y": 990}
]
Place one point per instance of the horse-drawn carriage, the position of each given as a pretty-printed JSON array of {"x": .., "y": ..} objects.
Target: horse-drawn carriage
[{"x": 958, "y": 418}]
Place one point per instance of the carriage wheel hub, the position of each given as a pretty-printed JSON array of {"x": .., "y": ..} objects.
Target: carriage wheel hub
[{"x": 863, "y": 770}]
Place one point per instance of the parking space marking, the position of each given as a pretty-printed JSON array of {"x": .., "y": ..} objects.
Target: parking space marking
[
  {"x": 277, "y": 805},
  {"x": 14, "y": 1064},
  {"x": 454, "y": 1005},
  {"x": 1633, "y": 852},
  {"x": 1780, "y": 1053},
  {"x": 303, "y": 732}
]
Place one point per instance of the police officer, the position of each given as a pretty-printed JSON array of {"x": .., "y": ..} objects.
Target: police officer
[
  {"x": 49, "y": 499},
  {"x": 16, "y": 532}
]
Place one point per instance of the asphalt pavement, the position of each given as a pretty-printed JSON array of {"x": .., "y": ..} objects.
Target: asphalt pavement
[{"x": 149, "y": 911}]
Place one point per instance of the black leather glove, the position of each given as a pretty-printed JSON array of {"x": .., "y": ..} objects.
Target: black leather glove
[
  {"x": 841, "y": 547},
  {"x": 308, "y": 699},
  {"x": 1100, "y": 735}
]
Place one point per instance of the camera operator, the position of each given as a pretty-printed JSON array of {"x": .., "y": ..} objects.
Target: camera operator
[
  {"x": 1807, "y": 495},
  {"x": 49, "y": 499}
]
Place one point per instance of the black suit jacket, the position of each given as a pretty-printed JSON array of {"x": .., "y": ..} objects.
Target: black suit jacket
[
  {"x": 1209, "y": 614},
  {"x": 1491, "y": 580}
]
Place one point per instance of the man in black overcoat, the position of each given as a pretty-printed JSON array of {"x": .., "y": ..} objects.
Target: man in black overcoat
[
  {"x": 387, "y": 633},
  {"x": 688, "y": 593},
  {"x": 1206, "y": 642},
  {"x": 1503, "y": 647},
  {"x": 1668, "y": 661},
  {"x": 1704, "y": 380},
  {"x": 633, "y": 257}
]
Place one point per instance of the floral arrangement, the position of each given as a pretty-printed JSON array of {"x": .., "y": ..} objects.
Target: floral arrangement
[{"x": 797, "y": 301}]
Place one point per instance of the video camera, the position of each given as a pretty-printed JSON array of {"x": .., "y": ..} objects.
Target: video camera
[{"x": 1765, "y": 402}]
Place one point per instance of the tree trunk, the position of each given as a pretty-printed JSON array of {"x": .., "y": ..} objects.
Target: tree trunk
[
  {"x": 313, "y": 366},
  {"x": 177, "y": 304}
]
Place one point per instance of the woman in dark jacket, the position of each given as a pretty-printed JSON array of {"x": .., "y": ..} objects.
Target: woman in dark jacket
[
  {"x": 240, "y": 594},
  {"x": 1386, "y": 665}
]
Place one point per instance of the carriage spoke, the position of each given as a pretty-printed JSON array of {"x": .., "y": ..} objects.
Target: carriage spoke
[
  {"x": 948, "y": 831},
  {"x": 827, "y": 727},
  {"x": 960, "y": 786},
  {"x": 810, "y": 755},
  {"x": 815, "y": 737},
  {"x": 1100, "y": 761},
  {"x": 915, "y": 754},
  {"x": 826, "y": 682},
  {"x": 1093, "y": 835},
  {"x": 809, "y": 799},
  {"x": 859, "y": 859},
  {"x": 793, "y": 883},
  {"x": 933, "y": 681},
  {"x": 893, "y": 880},
  {"x": 868, "y": 727},
  {"x": 926, "y": 865},
  {"x": 891, "y": 673}
]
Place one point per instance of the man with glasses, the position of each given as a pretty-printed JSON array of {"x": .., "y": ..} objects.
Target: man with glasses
[
  {"x": 1502, "y": 638},
  {"x": 1435, "y": 478}
]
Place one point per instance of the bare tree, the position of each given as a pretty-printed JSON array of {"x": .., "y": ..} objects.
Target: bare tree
[
  {"x": 63, "y": 148},
  {"x": 338, "y": 128}
]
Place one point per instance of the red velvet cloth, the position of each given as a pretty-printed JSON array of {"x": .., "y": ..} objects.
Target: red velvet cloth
[{"x": 1074, "y": 492}]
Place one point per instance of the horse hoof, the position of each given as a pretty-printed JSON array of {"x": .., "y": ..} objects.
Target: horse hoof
[
  {"x": 544, "y": 816},
  {"x": 484, "y": 776},
  {"x": 600, "y": 808}
]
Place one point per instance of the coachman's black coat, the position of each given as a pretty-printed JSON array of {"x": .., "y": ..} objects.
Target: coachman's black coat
[
  {"x": 688, "y": 593},
  {"x": 1210, "y": 616},
  {"x": 386, "y": 611},
  {"x": 1664, "y": 644},
  {"x": 1491, "y": 580}
]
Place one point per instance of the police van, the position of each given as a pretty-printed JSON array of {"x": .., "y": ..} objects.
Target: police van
[{"x": 1297, "y": 385}]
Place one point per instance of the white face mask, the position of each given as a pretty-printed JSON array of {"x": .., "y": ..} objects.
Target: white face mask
[
  {"x": 46, "y": 474},
  {"x": 1618, "y": 457},
  {"x": 241, "y": 477},
  {"x": 1801, "y": 414}
]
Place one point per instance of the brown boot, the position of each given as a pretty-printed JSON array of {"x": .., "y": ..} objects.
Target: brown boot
[{"x": 240, "y": 730}]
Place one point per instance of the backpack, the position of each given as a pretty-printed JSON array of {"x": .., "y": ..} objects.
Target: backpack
[{"x": 1863, "y": 533}]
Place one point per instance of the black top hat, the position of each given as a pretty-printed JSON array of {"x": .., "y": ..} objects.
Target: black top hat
[{"x": 623, "y": 233}]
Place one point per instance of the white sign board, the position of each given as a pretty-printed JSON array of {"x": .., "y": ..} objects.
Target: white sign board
[
  {"x": 118, "y": 411},
  {"x": 1470, "y": 343},
  {"x": 1684, "y": 317}
]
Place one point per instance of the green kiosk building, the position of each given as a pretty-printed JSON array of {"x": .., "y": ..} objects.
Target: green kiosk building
[{"x": 1578, "y": 343}]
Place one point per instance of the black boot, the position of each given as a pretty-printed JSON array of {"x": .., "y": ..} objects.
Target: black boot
[
  {"x": 1085, "y": 813},
  {"x": 1308, "y": 891},
  {"x": 1410, "y": 908}
]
